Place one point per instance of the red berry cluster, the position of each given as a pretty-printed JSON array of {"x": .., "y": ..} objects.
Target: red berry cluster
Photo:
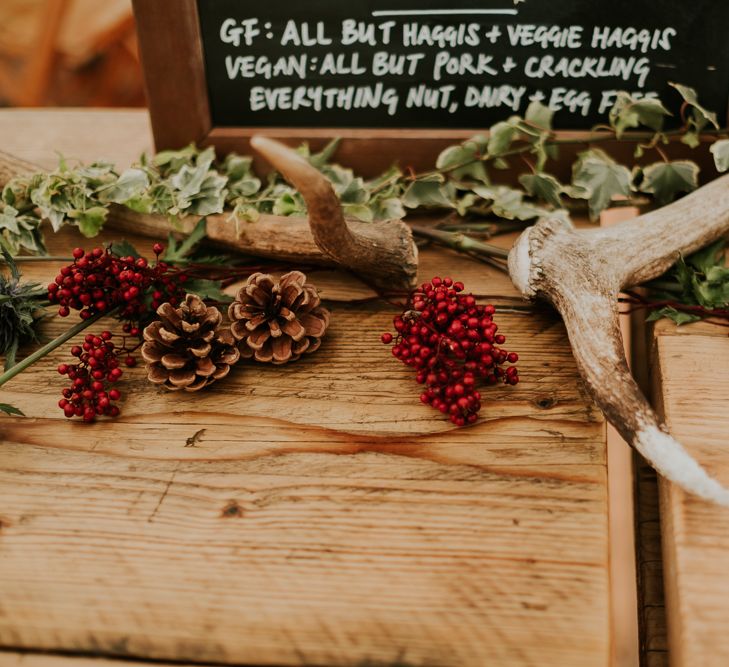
[
  {"x": 452, "y": 343},
  {"x": 100, "y": 280},
  {"x": 98, "y": 366}
]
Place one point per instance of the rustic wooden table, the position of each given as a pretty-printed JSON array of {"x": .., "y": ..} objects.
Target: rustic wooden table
[{"x": 324, "y": 516}]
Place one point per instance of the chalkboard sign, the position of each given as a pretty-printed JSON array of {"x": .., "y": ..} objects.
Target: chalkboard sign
[
  {"x": 435, "y": 64},
  {"x": 219, "y": 70}
]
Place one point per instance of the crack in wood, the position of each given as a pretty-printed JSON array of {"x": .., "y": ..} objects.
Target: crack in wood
[{"x": 163, "y": 496}]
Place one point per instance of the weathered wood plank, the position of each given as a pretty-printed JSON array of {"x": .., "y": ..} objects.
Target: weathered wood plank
[
  {"x": 323, "y": 516},
  {"x": 35, "y": 659},
  {"x": 691, "y": 372},
  {"x": 294, "y": 532}
]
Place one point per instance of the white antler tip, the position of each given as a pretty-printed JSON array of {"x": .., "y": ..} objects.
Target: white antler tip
[{"x": 671, "y": 460}]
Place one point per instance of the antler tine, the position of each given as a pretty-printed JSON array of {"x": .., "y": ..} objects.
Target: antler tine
[
  {"x": 649, "y": 244},
  {"x": 383, "y": 252},
  {"x": 580, "y": 274}
]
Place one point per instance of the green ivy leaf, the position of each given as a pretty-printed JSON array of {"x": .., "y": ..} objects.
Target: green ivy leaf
[
  {"x": 666, "y": 180},
  {"x": 90, "y": 221},
  {"x": 720, "y": 150},
  {"x": 244, "y": 212},
  {"x": 287, "y": 204},
  {"x": 389, "y": 208},
  {"x": 699, "y": 117},
  {"x": 540, "y": 115},
  {"x": 131, "y": 184},
  {"x": 501, "y": 136},
  {"x": 358, "y": 212},
  {"x": 198, "y": 189},
  {"x": 509, "y": 203},
  {"x": 428, "y": 192},
  {"x": 468, "y": 154},
  {"x": 353, "y": 192},
  {"x": 543, "y": 186},
  {"x": 173, "y": 161},
  {"x": 9, "y": 220},
  {"x": 236, "y": 167},
  {"x": 600, "y": 178},
  {"x": 629, "y": 113}
]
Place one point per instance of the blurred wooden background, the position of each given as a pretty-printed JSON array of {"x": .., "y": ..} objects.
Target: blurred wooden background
[{"x": 69, "y": 53}]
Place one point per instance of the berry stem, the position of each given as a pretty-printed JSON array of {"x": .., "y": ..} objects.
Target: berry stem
[{"x": 50, "y": 346}]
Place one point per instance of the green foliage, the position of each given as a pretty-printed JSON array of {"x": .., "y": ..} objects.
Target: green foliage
[
  {"x": 701, "y": 279},
  {"x": 720, "y": 151},
  {"x": 464, "y": 180},
  {"x": 677, "y": 316},
  {"x": 428, "y": 192},
  {"x": 666, "y": 180},
  {"x": 207, "y": 289},
  {"x": 697, "y": 118},
  {"x": 598, "y": 178},
  {"x": 178, "y": 252},
  {"x": 11, "y": 410},
  {"x": 628, "y": 113},
  {"x": 508, "y": 203},
  {"x": 544, "y": 187},
  {"x": 20, "y": 311},
  {"x": 469, "y": 155}
]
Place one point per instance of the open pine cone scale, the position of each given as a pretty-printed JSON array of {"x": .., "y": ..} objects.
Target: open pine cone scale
[
  {"x": 279, "y": 321},
  {"x": 184, "y": 349}
]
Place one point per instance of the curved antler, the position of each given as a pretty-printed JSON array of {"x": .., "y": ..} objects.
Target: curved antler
[
  {"x": 384, "y": 251},
  {"x": 581, "y": 274}
]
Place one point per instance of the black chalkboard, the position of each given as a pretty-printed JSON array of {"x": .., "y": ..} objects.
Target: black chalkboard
[{"x": 456, "y": 63}]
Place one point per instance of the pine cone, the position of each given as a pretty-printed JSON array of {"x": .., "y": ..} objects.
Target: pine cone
[
  {"x": 278, "y": 321},
  {"x": 184, "y": 348}
]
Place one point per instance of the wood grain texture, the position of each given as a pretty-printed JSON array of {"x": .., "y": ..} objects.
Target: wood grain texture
[
  {"x": 691, "y": 371},
  {"x": 321, "y": 516},
  {"x": 37, "y": 659}
]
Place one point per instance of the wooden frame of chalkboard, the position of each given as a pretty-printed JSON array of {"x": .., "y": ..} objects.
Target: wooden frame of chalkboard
[
  {"x": 178, "y": 100},
  {"x": 173, "y": 26}
]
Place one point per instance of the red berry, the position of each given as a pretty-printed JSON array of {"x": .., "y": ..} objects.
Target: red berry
[
  {"x": 158, "y": 248},
  {"x": 447, "y": 338}
]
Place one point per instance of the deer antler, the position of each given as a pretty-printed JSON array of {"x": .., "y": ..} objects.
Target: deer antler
[
  {"x": 386, "y": 245},
  {"x": 581, "y": 274}
]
